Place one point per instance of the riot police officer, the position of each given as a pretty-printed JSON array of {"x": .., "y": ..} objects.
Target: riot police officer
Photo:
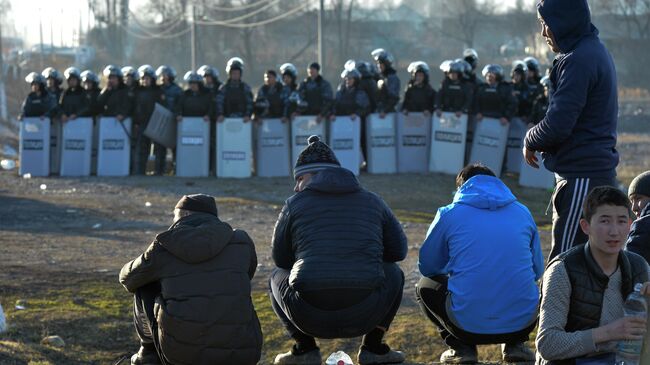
[
  {"x": 132, "y": 82},
  {"x": 90, "y": 84},
  {"x": 494, "y": 98},
  {"x": 269, "y": 102},
  {"x": 290, "y": 96},
  {"x": 388, "y": 85},
  {"x": 211, "y": 81},
  {"x": 38, "y": 103},
  {"x": 350, "y": 99},
  {"x": 540, "y": 104},
  {"x": 196, "y": 100},
  {"x": 235, "y": 97},
  {"x": 114, "y": 100},
  {"x": 419, "y": 95},
  {"x": 171, "y": 90},
  {"x": 146, "y": 97},
  {"x": 73, "y": 100},
  {"x": 533, "y": 77},
  {"x": 53, "y": 81},
  {"x": 471, "y": 57},
  {"x": 455, "y": 94},
  {"x": 316, "y": 94},
  {"x": 521, "y": 90}
]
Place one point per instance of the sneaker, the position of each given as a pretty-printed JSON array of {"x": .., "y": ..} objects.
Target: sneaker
[
  {"x": 308, "y": 358},
  {"x": 145, "y": 357},
  {"x": 517, "y": 352},
  {"x": 460, "y": 355},
  {"x": 366, "y": 357}
]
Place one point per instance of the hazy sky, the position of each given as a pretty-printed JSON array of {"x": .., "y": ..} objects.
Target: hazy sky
[{"x": 61, "y": 18}]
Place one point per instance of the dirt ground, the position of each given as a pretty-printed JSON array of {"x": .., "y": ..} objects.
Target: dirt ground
[{"x": 63, "y": 242}]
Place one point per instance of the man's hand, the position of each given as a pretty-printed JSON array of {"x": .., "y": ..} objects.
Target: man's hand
[
  {"x": 205, "y": 118},
  {"x": 479, "y": 117},
  {"x": 220, "y": 119},
  {"x": 332, "y": 118},
  {"x": 439, "y": 113},
  {"x": 64, "y": 118},
  {"x": 503, "y": 121},
  {"x": 458, "y": 114},
  {"x": 120, "y": 117},
  {"x": 179, "y": 118},
  {"x": 382, "y": 115},
  {"x": 427, "y": 113},
  {"x": 247, "y": 118},
  {"x": 73, "y": 116},
  {"x": 353, "y": 116},
  {"x": 626, "y": 328},
  {"x": 530, "y": 158}
]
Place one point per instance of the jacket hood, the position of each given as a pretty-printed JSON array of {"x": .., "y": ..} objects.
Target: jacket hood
[
  {"x": 334, "y": 181},
  {"x": 570, "y": 21},
  {"x": 484, "y": 192},
  {"x": 196, "y": 238}
]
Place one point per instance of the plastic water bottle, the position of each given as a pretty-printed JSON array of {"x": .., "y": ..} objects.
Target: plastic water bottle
[
  {"x": 628, "y": 352},
  {"x": 339, "y": 358}
]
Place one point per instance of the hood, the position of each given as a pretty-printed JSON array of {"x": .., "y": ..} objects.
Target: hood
[
  {"x": 484, "y": 192},
  {"x": 334, "y": 181},
  {"x": 196, "y": 238},
  {"x": 570, "y": 21}
]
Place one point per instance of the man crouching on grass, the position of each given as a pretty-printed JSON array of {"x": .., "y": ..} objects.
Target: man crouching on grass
[{"x": 192, "y": 291}]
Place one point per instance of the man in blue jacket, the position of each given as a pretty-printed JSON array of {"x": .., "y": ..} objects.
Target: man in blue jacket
[
  {"x": 480, "y": 262},
  {"x": 335, "y": 246},
  {"x": 577, "y": 137},
  {"x": 639, "y": 193}
]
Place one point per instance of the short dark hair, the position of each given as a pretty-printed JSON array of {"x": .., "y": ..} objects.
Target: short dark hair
[
  {"x": 470, "y": 171},
  {"x": 272, "y": 72},
  {"x": 605, "y": 195}
]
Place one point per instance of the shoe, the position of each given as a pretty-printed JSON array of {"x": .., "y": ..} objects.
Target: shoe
[
  {"x": 460, "y": 355},
  {"x": 517, "y": 352},
  {"x": 366, "y": 357},
  {"x": 145, "y": 357},
  {"x": 308, "y": 358}
]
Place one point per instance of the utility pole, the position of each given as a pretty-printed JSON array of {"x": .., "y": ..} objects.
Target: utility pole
[
  {"x": 3, "y": 96},
  {"x": 40, "y": 26},
  {"x": 321, "y": 15},
  {"x": 193, "y": 37}
]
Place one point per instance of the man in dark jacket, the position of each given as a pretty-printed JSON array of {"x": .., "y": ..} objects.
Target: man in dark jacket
[
  {"x": 114, "y": 100},
  {"x": 577, "y": 137},
  {"x": 192, "y": 291},
  {"x": 74, "y": 102},
  {"x": 269, "y": 102},
  {"x": 235, "y": 97},
  {"x": 455, "y": 95},
  {"x": 196, "y": 101},
  {"x": 147, "y": 95},
  {"x": 494, "y": 98},
  {"x": 581, "y": 316},
  {"x": 335, "y": 246},
  {"x": 316, "y": 93},
  {"x": 39, "y": 103},
  {"x": 388, "y": 85},
  {"x": 639, "y": 193}
]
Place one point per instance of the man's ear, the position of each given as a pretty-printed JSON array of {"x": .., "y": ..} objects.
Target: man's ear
[{"x": 584, "y": 224}]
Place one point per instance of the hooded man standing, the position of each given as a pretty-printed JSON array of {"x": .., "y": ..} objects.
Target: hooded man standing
[
  {"x": 193, "y": 293},
  {"x": 577, "y": 137},
  {"x": 335, "y": 246}
]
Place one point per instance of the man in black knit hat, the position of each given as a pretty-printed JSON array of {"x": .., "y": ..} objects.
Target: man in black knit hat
[
  {"x": 335, "y": 246},
  {"x": 639, "y": 194},
  {"x": 192, "y": 290}
]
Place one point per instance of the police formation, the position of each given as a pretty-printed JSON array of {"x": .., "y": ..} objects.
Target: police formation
[{"x": 142, "y": 115}]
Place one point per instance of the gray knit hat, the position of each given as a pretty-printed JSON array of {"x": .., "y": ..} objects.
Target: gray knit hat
[
  {"x": 640, "y": 185},
  {"x": 315, "y": 157}
]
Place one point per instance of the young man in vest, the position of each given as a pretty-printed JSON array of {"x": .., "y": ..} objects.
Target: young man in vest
[{"x": 584, "y": 289}]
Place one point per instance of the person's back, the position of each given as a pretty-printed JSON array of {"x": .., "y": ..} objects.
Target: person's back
[{"x": 204, "y": 310}]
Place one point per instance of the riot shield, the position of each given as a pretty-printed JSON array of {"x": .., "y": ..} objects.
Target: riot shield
[
  {"x": 489, "y": 146},
  {"x": 413, "y": 137},
  {"x": 234, "y": 148},
  {"x": 77, "y": 147},
  {"x": 302, "y": 128},
  {"x": 380, "y": 142},
  {"x": 114, "y": 151},
  {"x": 345, "y": 142},
  {"x": 531, "y": 177},
  {"x": 448, "y": 138},
  {"x": 272, "y": 149},
  {"x": 34, "y": 146},
  {"x": 516, "y": 136},
  {"x": 161, "y": 127},
  {"x": 193, "y": 147}
]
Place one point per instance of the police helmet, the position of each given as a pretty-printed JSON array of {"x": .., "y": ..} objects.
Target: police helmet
[
  {"x": 88, "y": 75},
  {"x": 545, "y": 81},
  {"x": 235, "y": 63},
  {"x": 532, "y": 63},
  {"x": 146, "y": 70},
  {"x": 129, "y": 71},
  {"x": 519, "y": 67},
  {"x": 35, "y": 77},
  {"x": 72, "y": 72},
  {"x": 380, "y": 55},
  {"x": 497, "y": 70},
  {"x": 52, "y": 73},
  {"x": 289, "y": 69},
  {"x": 351, "y": 73},
  {"x": 207, "y": 70},
  {"x": 165, "y": 70},
  {"x": 418, "y": 66},
  {"x": 112, "y": 70},
  {"x": 471, "y": 56},
  {"x": 192, "y": 76}
]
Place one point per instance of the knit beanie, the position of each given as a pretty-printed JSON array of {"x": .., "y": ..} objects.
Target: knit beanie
[
  {"x": 198, "y": 203},
  {"x": 315, "y": 157},
  {"x": 640, "y": 185}
]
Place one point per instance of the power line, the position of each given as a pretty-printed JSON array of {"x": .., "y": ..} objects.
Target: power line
[
  {"x": 151, "y": 31},
  {"x": 154, "y": 36},
  {"x": 245, "y": 16},
  {"x": 233, "y": 9},
  {"x": 255, "y": 24}
]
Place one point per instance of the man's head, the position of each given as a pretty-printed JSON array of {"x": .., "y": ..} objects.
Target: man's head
[
  {"x": 195, "y": 203},
  {"x": 639, "y": 193},
  {"x": 564, "y": 23},
  {"x": 470, "y": 171},
  {"x": 548, "y": 36},
  {"x": 606, "y": 220},
  {"x": 317, "y": 156},
  {"x": 270, "y": 77},
  {"x": 313, "y": 70}
]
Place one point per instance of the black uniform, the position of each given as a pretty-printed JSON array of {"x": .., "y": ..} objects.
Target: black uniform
[
  {"x": 521, "y": 91},
  {"x": 538, "y": 110},
  {"x": 274, "y": 96},
  {"x": 195, "y": 104},
  {"x": 351, "y": 101},
  {"x": 90, "y": 99},
  {"x": 318, "y": 94},
  {"x": 74, "y": 102},
  {"x": 290, "y": 104},
  {"x": 418, "y": 98},
  {"x": 496, "y": 102},
  {"x": 145, "y": 102},
  {"x": 455, "y": 96},
  {"x": 39, "y": 105},
  {"x": 388, "y": 91},
  {"x": 115, "y": 102},
  {"x": 235, "y": 99},
  {"x": 369, "y": 85}
]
